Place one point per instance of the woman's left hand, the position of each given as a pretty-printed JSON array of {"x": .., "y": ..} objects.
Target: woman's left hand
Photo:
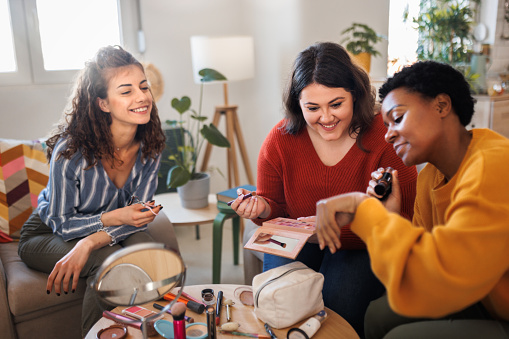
[{"x": 333, "y": 213}]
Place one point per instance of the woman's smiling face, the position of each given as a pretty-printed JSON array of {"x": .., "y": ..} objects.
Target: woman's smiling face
[
  {"x": 413, "y": 126},
  {"x": 328, "y": 111},
  {"x": 129, "y": 100}
]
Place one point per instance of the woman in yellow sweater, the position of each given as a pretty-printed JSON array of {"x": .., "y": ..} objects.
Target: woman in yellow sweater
[{"x": 447, "y": 272}]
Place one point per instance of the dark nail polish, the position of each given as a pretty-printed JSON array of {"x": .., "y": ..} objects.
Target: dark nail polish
[
  {"x": 151, "y": 201},
  {"x": 47, "y": 292},
  {"x": 65, "y": 292},
  {"x": 58, "y": 294},
  {"x": 73, "y": 291},
  {"x": 161, "y": 207}
]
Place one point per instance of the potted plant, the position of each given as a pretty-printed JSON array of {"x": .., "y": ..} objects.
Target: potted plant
[
  {"x": 360, "y": 41},
  {"x": 191, "y": 131},
  {"x": 445, "y": 35}
]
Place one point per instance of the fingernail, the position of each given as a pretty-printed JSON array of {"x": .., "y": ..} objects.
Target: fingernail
[
  {"x": 65, "y": 292},
  {"x": 58, "y": 294},
  {"x": 151, "y": 201},
  {"x": 161, "y": 207},
  {"x": 73, "y": 291},
  {"x": 47, "y": 292}
]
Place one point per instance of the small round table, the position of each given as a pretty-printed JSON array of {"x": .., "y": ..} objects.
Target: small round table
[
  {"x": 333, "y": 327},
  {"x": 216, "y": 213}
]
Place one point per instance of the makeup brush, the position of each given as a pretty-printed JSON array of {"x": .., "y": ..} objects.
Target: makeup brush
[
  {"x": 178, "y": 312},
  {"x": 192, "y": 305},
  {"x": 249, "y": 195}
]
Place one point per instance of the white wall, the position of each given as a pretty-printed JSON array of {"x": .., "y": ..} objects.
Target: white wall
[{"x": 280, "y": 28}]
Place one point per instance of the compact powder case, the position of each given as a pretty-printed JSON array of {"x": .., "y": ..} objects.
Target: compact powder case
[{"x": 116, "y": 331}]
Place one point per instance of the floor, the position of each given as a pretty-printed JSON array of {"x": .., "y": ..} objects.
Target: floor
[{"x": 197, "y": 255}]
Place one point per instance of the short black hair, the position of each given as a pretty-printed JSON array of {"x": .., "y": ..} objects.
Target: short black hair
[{"x": 431, "y": 78}]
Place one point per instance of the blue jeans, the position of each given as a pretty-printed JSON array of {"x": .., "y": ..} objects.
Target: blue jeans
[{"x": 349, "y": 285}]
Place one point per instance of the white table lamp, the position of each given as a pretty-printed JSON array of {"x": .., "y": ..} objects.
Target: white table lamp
[{"x": 232, "y": 56}]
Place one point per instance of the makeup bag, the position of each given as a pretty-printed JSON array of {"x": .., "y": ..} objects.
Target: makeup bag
[{"x": 287, "y": 294}]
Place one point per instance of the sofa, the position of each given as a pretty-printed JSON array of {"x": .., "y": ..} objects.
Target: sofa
[{"x": 26, "y": 310}]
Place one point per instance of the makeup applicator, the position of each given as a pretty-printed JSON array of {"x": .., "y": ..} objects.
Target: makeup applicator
[{"x": 178, "y": 311}]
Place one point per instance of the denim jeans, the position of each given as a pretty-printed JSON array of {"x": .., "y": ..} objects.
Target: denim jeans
[{"x": 349, "y": 284}]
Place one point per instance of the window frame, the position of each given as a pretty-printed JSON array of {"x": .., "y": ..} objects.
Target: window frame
[{"x": 27, "y": 43}]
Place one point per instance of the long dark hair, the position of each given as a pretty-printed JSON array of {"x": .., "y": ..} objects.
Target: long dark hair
[
  {"x": 328, "y": 64},
  {"x": 86, "y": 126}
]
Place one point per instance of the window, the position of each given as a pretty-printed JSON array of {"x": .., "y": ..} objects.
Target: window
[
  {"x": 47, "y": 41},
  {"x": 403, "y": 36}
]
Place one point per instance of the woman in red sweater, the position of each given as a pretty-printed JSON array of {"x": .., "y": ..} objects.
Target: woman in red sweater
[{"x": 329, "y": 143}]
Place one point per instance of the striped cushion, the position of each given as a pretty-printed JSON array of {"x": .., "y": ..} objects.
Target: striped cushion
[{"x": 23, "y": 174}]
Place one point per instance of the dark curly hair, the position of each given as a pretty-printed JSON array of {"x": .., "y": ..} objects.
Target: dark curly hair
[
  {"x": 431, "y": 78},
  {"x": 87, "y": 127},
  {"x": 328, "y": 64}
]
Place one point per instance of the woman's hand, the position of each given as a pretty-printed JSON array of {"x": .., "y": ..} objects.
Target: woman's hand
[
  {"x": 135, "y": 215},
  {"x": 72, "y": 263},
  {"x": 333, "y": 213},
  {"x": 393, "y": 202},
  {"x": 251, "y": 208}
]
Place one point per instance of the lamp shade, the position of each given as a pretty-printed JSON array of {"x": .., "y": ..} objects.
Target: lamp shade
[{"x": 233, "y": 56}]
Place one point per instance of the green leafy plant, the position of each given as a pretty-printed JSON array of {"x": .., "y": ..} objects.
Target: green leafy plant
[
  {"x": 444, "y": 28},
  {"x": 361, "y": 38},
  {"x": 193, "y": 132}
]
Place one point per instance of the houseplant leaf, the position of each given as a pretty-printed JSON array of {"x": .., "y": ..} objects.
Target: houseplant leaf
[
  {"x": 177, "y": 176},
  {"x": 181, "y": 105},
  {"x": 209, "y": 74},
  {"x": 214, "y": 136}
]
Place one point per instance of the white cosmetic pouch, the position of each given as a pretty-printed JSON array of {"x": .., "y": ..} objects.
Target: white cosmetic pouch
[{"x": 287, "y": 294}]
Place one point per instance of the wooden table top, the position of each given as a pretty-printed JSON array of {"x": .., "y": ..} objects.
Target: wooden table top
[
  {"x": 180, "y": 216},
  {"x": 333, "y": 327}
]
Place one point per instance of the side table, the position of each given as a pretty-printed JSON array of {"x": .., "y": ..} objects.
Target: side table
[
  {"x": 334, "y": 327},
  {"x": 216, "y": 213}
]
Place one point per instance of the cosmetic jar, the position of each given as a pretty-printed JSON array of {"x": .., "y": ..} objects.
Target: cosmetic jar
[
  {"x": 116, "y": 331},
  {"x": 207, "y": 296},
  {"x": 196, "y": 331}
]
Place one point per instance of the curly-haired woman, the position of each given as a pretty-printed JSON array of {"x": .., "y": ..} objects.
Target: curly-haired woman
[{"x": 104, "y": 154}]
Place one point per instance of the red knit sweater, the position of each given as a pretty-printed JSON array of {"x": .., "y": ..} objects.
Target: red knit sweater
[{"x": 292, "y": 178}]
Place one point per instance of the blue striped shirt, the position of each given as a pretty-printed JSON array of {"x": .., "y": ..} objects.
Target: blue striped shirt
[{"x": 74, "y": 199}]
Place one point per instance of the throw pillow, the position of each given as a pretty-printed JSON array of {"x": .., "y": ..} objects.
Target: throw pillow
[{"x": 24, "y": 173}]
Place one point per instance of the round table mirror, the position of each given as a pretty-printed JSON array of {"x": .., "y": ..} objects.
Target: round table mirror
[{"x": 139, "y": 274}]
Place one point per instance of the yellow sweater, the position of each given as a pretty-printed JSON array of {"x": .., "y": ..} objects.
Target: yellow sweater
[{"x": 456, "y": 251}]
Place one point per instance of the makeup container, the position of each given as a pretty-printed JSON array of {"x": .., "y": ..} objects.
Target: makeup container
[
  {"x": 116, "y": 331},
  {"x": 196, "y": 331},
  {"x": 244, "y": 294},
  {"x": 384, "y": 185},
  {"x": 211, "y": 322},
  {"x": 207, "y": 296},
  {"x": 309, "y": 328}
]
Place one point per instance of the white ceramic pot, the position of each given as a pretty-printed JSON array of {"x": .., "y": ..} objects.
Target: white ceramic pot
[{"x": 195, "y": 194}]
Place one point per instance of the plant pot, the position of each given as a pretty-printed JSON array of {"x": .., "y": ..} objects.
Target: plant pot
[
  {"x": 195, "y": 194},
  {"x": 363, "y": 60}
]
